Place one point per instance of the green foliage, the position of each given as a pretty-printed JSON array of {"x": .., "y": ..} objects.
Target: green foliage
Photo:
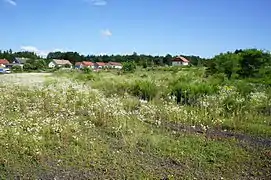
[
  {"x": 253, "y": 61},
  {"x": 129, "y": 67},
  {"x": 111, "y": 87},
  {"x": 249, "y": 63},
  {"x": 16, "y": 69},
  {"x": 34, "y": 65},
  {"x": 228, "y": 64},
  {"x": 144, "y": 89},
  {"x": 10, "y": 55},
  {"x": 145, "y": 65},
  {"x": 79, "y": 129},
  {"x": 86, "y": 70},
  {"x": 188, "y": 93},
  {"x": 83, "y": 76},
  {"x": 244, "y": 88}
]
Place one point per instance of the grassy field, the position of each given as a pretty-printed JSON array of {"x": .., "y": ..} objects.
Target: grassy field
[{"x": 150, "y": 124}]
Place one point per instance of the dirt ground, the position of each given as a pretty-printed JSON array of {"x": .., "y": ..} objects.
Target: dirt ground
[{"x": 28, "y": 79}]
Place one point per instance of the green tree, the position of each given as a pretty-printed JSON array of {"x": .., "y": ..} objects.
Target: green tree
[
  {"x": 17, "y": 69},
  {"x": 129, "y": 67},
  {"x": 38, "y": 64},
  {"x": 228, "y": 64},
  {"x": 252, "y": 61}
]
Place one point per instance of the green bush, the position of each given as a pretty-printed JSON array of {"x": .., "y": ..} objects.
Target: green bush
[
  {"x": 16, "y": 69},
  {"x": 129, "y": 67},
  {"x": 85, "y": 77},
  {"x": 244, "y": 88},
  {"x": 144, "y": 89},
  {"x": 86, "y": 70},
  {"x": 188, "y": 93},
  {"x": 112, "y": 87},
  {"x": 143, "y": 75}
]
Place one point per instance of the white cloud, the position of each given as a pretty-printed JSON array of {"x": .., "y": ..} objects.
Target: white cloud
[
  {"x": 106, "y": 32},
  {"x": 99, "y": 2},
  {"x": 42, "y": 53},
  {"x": 12, "y": 2},
  {"x": 29, "y": 48},
  {"x": 58, "y": 50}
]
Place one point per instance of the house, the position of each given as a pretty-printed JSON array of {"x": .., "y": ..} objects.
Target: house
[
  {"x": 100, "y": 65},
  {"x": 180, "y": 61},
  {"x": 18, "y": 61},
  {"x": 3, "y": 62},
  {"x": 60, "y": 63},
  {"x": 78, "y": 65},
  {"x": 84, "y": 64},
  {"x": 114, "y": 65}
]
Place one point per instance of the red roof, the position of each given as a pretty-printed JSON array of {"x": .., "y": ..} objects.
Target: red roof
[
  {"x": 87, "y": 63},
  {"x": 4, "y": 61},
  {"x": 180, "y": 58},
  {"x": 115, "y": 63},
  {"x": 100, "y": 63}
]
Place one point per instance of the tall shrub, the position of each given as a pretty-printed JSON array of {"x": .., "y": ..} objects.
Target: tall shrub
[
  {"x": 144, "y": 89},
  {"x": 129, "y": 67}
]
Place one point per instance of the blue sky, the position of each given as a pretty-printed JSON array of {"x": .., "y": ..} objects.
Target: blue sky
[{"x": 157, "y": 27}]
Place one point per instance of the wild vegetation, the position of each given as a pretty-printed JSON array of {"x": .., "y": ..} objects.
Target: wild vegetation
[{"x": 141, "y": 123}]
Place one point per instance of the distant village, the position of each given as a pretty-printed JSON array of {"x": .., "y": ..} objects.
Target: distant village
[{"x": 5, "y": 65}]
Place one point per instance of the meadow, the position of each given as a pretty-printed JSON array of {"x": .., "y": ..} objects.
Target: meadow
[{"x": 162, "y": 123}]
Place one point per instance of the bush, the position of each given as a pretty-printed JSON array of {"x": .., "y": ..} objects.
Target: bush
[
  {"x": 143, "y": 75},
  {"x": 145, "y": 65},
  {"x": 129, "y": 67},
  {"x": 244, "y": 88},
  {"x": 86, "y": 70},
  {"x": 85, "y": 77},
  {"x": 187, "y": 93},
  {"x": 16, "y": 69},
  {"x": 112, "y": 87},
  {"x": 144, "y": 89}
]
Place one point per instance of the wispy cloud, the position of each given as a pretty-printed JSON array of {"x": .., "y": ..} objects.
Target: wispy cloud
[
  {"x": 35, "y": 50},
  {"x": 99, "y": 2},
  {"x": 42, "y": 53},
  {"x": 11, "y": 2},
  {"x": 106, "y": 32}
]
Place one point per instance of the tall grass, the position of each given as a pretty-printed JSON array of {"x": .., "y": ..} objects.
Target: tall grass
[
  {"x": 112, "y": 126},
  {"x": 191, "y": 97}
]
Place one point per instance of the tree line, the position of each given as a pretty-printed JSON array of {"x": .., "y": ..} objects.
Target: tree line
[
  {"x": 242, "y": 63},
  {"x": 10, "y": 55},
  {"x": 139, "y": 59},
  {"x": 73, "y": 57}
]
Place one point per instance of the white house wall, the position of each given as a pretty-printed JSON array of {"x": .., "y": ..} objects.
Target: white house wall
[
  {"x": 51, "y": 65},
  {"x": 179, "y": 63},
  {"x": 118, "y": 67}
]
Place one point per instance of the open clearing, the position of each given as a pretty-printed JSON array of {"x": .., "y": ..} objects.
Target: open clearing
[
  {"x": 100, "y": 126},
  {"x": 24, "y": 79}
]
